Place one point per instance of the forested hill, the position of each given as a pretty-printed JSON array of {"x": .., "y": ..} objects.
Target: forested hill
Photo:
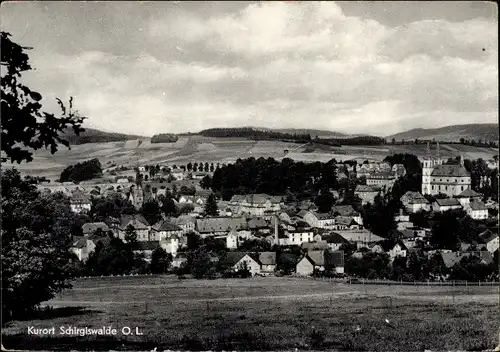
[
  {"x": 252, "y": 133},
  {"x": 480, "y": 131},
  {"x": 91, "y": 135}
]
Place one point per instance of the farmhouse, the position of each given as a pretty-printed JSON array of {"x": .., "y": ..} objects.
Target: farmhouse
[
  {"x": 414, "y": 202},
  {"x": 442, "y": 205},
  {"x": 320, "y": 261},
  {"x": 366, "y": 193},
  {"x": 334, "y": 241},
  {"x": 92, "y": 227},
  {"x": 238, "y": 260}
]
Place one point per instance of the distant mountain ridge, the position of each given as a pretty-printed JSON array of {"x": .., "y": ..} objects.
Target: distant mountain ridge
[
  {"x": 453, "y": 133},
  {"x": 91, "y": 135}
]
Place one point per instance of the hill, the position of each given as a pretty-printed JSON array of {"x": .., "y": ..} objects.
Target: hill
[
  {"x": 91, "y": 135},
  {"x": 483, "y": 132}
]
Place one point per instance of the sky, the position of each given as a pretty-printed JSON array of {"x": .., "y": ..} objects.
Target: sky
[{"x": 355, "y": 67}]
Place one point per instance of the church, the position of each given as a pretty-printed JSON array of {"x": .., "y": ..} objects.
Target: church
[{"x": 447, "y": 179}]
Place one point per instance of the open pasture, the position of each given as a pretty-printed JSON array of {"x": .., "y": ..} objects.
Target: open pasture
[{"x": 267, "y": 314}]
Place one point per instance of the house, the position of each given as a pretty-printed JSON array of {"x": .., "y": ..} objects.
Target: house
[
  {"x": 402, "y": 221},
  {"x": 319, "y": 220},
  {"x": 362, "y": 238},
  {"x": 79, "y": 248},
  {"x": 145, "y": 248},
  {"x": 366, "y": 193},
  {"x": 299, "y": 236},
  {"x": 267, "y": 261},
  {"x": 347, "y": 210},
  {"x": 334, "y": 241},
  {"x": 468, "y": 196},
  {"x": 452, "y": 258},
  {"x": 221, "y": 226},
  {"x": 345, "y": 223},
  {"x": 195, "y": 200},
  {"x": 185, "y": 222},
  {"x": 232, "y": 240},
  {"x": 381, "y": 179},
  {"x": 256, "y": 204},
  {"x": 238, "y": 260},
  {"x": 79, "y": 202},
  {"x": 171, "y": 244},
  {"x": 410, "y": 237},
  {"x": 287, "y": 216},
  {"x": 165, "y": 229},
  {"x": 448, "y": 179},
  {"x": 258, "y": 224},
  {"x": 477, "y": 210},
  {"x": 490, "y": 239},
  {"x": 138, "y": 223},
  {"x": 414, "y": 202},
  {"x": 442, "y": 205},
  {"x": 398, "y": 250},
  {"x": 198, "y": 175},
  {"x": 320, "y": 261},
  {"x": 91, "y": 227}
]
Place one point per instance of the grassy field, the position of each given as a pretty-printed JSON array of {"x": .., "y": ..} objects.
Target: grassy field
[
  {"x": 266, "y": 314},
  {"x": 223, "y": 150}
]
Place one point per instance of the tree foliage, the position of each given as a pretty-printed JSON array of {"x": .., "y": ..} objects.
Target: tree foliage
[
  {"x": 25, "y": 127},
  {"x": 160, "y": 261},
  {"x": 78, "y": 172},
  {"x": 211, "y": 208}
]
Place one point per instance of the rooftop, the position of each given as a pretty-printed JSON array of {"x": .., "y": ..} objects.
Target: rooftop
[{"x": 450, "y": 171}]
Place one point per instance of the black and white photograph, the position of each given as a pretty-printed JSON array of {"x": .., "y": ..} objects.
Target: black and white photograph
[{"x": 249, "y": 176}]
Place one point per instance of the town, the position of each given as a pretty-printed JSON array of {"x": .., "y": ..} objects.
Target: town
[{"x": 185, "y": 219}]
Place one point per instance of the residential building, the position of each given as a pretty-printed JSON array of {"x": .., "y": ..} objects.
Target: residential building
[
  {"x": 362, "y": 238},
  {"x": 79, "y": 202},
  {"x": 256, "y": 204},
  {"x": 442, "y": 205},
  {"x": 477, "y": 210},
  {"x": 232, "y": 240},
  {"x": 321, "y": 261},
  {"x": 334, "y": 241},
  {"x": 171, "y": 244},
  {"x": 381, "y": 179},
  {"x": 415, "y": 202},
  {"x": 345, "y": 223},
  {"x": 319, "y": 220},
  {"x": 145, "y": 248},
  {"x": 490, "y": 239},
  {"x": 238, "y": 260},
  {"x": 468, "y": 196},
  {"x": 267, "y": 261},
  {"x": 367, "y": 193},
  {"x": 138, "y": 223},
  {"x": 299, "y": 236},
  {"x": 136, "y": 196},
  {"x": 186, "y": 223},
  {"x": 347, "y": 211},
  {"x": 165, "y": 229},
  {"x": 92, "y": 227},
  {"x": 410, "y": 237},
  {"x": 220, "y": 226}
]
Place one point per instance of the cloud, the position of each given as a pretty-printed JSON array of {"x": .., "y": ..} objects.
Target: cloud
[{"x": 275, "y": 64}]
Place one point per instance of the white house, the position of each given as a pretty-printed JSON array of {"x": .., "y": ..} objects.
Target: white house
[
  {"x": 79, "y": 202},
  {"x": 138, "y": 223},
  {"x": 320, "y": 261},
  {"x": 232, "y": 240},
  {"x": 490, "y": 239},
  {"x": 477, "y": 210},
  {"x": 165, "y": 229},
  {"x": 468, "y": 196},
  {"x": 170, "y": 244},
  {"x": 299, "y": 236},
  {"x": 185, "y": 222}
]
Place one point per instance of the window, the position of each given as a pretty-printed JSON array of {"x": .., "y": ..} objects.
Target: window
[
  {"x": 432, "y": 187},
  {"x": 462, "y": 188},
  {"x": 446, "y": 188}
]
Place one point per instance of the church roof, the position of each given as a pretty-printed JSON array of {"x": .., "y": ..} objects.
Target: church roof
[{"x": 450, "y": 171}]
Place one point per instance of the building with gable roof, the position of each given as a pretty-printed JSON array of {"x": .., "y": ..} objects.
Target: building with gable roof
[
  {"x": 490, "y": 239},
  {"x": 446, "y": 204},
  {"x": 414, "y": 202},
  {"x": 321, "y": 261},
  {"x": 256, "y": 204},
  {"x": 221, "y": 226},
  {"x": 79, "y": 202},
  {"x": 138, "y": 223}
]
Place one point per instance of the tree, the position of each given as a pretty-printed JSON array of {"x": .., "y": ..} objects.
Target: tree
[
  {"x": 186, "y": 208},
  {"x": 151, "y": 211},
  {"x": 211, "y": 208},
  {"x": 189, "y": 166},
  {"x": 112, "y": 206},
  {"x": 212, "y": 168},
  {"x": 199, "y": 263},
  {"x": 324, "y": 201},
  {"x": 24, "y": 126},
  {"x": 160, "y": 261},
  {"x": 206, "y": 182},
  {"x": 167, "y": 205},
  {"x": 193, "y": 241},
  {"x": 78, "y": 172},
  {"x": 36, "y": 240},
  {"x": 130, "y": 235}
]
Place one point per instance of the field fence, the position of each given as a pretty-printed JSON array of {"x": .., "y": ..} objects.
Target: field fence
[{"x": 351, "y": 281}]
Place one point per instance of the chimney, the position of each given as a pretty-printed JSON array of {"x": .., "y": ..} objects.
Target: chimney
[{"x": 276, "y": 237}]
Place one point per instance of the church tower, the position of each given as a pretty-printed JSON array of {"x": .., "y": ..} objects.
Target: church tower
[{"x": 427, "y": 167}]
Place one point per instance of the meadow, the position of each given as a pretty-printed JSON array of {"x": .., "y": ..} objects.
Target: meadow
[
  {"x": 266, "y": 314},
  {"x": 223, "y": 150}
]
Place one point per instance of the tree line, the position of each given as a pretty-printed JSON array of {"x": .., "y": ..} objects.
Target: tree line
[
  {"x": 164, "y": 138},
  {"x": 83, "y": 171},
  {"x": 254, "y": 134}
]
